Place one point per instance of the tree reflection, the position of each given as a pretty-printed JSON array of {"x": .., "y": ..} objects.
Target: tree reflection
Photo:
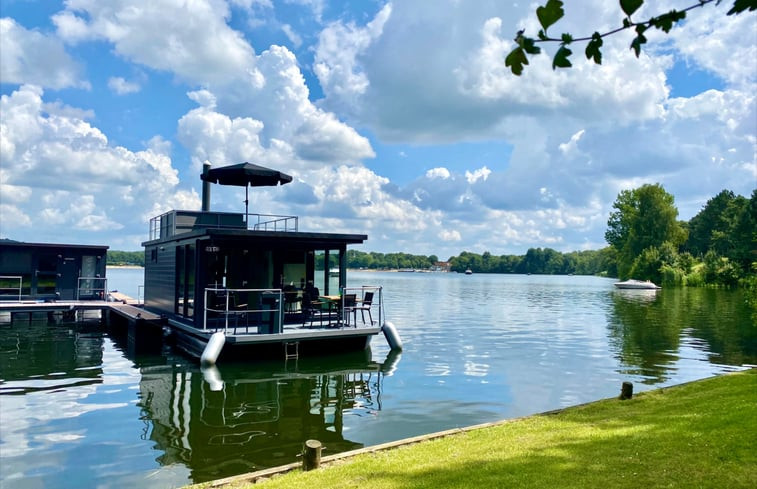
[{"x": 647, "y": 328}]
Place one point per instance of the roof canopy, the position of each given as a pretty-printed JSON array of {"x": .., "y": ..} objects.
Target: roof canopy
[{"x": 244, "y": 174}]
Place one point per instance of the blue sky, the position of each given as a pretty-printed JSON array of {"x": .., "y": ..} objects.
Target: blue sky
[{"x": 397, "y": 119}]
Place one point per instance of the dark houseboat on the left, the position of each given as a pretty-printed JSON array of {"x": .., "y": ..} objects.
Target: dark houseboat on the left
[{"x": 51, "y": 272}]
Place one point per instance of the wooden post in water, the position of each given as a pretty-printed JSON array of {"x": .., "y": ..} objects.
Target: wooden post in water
[
  {"x": 626, "y": 391},
  {"x": 311, "y": 455}
]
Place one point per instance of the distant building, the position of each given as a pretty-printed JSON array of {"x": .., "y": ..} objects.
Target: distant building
[
  {"x": 41, "y": 271},
  {"x": 441, "y": 266}
]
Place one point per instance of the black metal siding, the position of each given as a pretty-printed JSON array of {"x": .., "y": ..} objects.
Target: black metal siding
[{"x": 160, "y": 277}]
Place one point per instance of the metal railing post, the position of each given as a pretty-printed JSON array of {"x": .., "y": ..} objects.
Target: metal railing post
[{"x": 205, "y": 310}]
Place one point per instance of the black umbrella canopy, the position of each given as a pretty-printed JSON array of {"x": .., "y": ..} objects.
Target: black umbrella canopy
[{"x": 244, "y": 174}]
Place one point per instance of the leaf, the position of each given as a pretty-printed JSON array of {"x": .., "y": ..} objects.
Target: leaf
[
  {"x": 561, "y": 58},
  {"x": 592, "y": 48},
  {"x": 665, "y": 22},
  {"x": 630, "y": 6},
  {"x": 637, "y": 42},
  {"x": 550, "y": 13},
  {"x": 741, "y": 5},
  {"x": 515, "y": 60},
  {"x": 528, "y": 45}
]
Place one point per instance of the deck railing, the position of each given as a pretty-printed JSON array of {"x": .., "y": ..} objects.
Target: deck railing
[
  {"x": 256, "y": 307},
  {"x": 177, "y": 222},
  {"x": 272, "y": 222},
  {"x": 14, "y": 292},
  {"x": 86, "y": 288}
]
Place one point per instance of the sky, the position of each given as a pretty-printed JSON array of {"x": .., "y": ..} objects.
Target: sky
[{"x": 398, "y": 120}]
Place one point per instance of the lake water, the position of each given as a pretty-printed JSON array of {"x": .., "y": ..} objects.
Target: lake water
[{"x": 80, "y": 408}]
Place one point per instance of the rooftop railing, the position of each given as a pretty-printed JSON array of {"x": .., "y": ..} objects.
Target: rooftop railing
[
  {"x": 272, "y": 222},
  {"x": 177, "y": 222}
]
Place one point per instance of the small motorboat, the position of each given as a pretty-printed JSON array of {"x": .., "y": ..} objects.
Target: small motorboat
[
  {"x": 637, "y": 285},
  {"x": 469, "y": 272}
]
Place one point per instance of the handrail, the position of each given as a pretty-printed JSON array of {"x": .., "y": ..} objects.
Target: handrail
[
  {"x": 279, "y": 223},
  {"x": 12, "y": 277},
  {"x": 90, "y": 289},
  {"x": 177, "y": 222},
  {"x": 227, "y": 311}
]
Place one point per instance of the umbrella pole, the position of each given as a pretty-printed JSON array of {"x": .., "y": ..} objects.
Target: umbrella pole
[{"x": 246, "y": 206}]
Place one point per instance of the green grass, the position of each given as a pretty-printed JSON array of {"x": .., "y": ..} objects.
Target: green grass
[{"x": 702, "y": 434}]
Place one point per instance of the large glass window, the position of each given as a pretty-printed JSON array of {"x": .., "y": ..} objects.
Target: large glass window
[{"x": 185, "y": 280}]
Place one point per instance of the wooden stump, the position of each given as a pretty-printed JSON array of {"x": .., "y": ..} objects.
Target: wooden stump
[
  {"x": 626, "y": 391},
  {"x": 311, "y": 455}
]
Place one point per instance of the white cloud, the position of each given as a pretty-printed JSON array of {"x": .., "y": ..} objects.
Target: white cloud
[
  {"x": 121, "y": 86},
  {"x": 442, "y": 173},
  {"x": 71, "y": 177},
  {"x": 725, "y": 45},
  {"x": 36, "y": 58},
  {"x": 476, "y": 175},
  {"x": 449, "y": 235},
  {"x": 295, "y": 38},
  {"x": 191, "y": 39},
  {"x": 336, "y": 58}
]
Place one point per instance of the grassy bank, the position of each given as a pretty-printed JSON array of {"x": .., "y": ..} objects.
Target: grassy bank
[{"x": 702, "y": 434}]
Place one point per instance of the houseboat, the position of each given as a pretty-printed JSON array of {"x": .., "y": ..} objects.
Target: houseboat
[
  {"x": 51, "y": 272},
  {"x": 255, "y": 286}
]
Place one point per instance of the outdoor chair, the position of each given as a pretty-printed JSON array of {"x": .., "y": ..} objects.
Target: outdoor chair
[
  {"x": 349, "y": 306},
  {"x": 365, "y": 305},
  {"x": 312, "y": 309}
]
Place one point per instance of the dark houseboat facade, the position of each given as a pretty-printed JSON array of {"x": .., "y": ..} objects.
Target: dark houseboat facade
[{"x": 50, "y": 272}]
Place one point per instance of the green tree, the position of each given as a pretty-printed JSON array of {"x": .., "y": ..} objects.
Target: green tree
[
  {"x": 643, "y": 218},
  {"x": 553, "y": 11},
  {"x": 711, "y": 227}
]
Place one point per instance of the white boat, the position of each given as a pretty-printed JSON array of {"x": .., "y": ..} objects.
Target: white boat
[
  {"x": 469, "y": 272},
  {"x": 637, "y": 284}
]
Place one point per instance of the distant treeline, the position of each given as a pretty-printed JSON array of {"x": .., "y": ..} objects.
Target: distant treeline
[
  {"x": 536, "y": 260},
  {"x": 132, "y": 258}
]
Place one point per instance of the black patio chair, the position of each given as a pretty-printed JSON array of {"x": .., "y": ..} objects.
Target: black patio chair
[{"x": 365, "y": 305}]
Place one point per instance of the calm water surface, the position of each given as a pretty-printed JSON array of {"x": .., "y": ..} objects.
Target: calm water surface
[{"x": 82, "y": 408}]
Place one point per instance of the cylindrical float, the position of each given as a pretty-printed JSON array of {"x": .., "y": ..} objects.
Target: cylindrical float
[
  {"x": 213, "y": 348},
  {"x": 392, "y": 336}
]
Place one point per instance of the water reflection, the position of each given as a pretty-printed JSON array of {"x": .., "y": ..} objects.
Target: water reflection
[
  {"x": 36, "y": 355},
  {"x": 651, "y": 332},
  {"x": 233, "y": 418}
]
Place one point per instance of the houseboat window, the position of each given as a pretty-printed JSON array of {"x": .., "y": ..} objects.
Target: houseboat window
[
  {"x": 185, "y": 280},
  {"x": 89, "y": 286},
  {"x": 181, "y": 282},
  {"x": 326, "y": 276},
  {"x": 190, "y": 291},
  {"x": 47, "y": 269},
  {"x": 294, "y": 269}
]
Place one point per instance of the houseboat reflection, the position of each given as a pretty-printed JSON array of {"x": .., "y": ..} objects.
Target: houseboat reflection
[{"x": 230, "y": 420}]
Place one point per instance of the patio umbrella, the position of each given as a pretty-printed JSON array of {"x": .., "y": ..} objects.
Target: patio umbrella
[{"x": 246, "y": 175}]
